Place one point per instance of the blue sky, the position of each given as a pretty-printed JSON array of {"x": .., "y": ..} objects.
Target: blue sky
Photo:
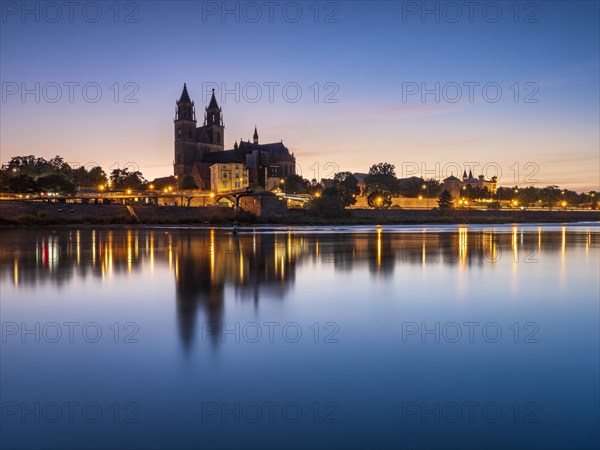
[{"x": 366, "y": 55}]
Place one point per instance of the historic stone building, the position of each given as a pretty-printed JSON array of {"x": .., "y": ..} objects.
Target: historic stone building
[
  {"x": 457, "y": 186},
  {"x": 198, "y": 148}
]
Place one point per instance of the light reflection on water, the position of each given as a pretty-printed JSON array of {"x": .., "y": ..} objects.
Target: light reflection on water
[{"x": 193, "y": 293}]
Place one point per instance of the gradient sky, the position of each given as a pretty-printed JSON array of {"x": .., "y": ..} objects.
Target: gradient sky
[{"x": 368, "y": 54}]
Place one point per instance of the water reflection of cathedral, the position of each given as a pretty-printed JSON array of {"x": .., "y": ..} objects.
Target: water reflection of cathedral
[{"x": 210, "y": 264}]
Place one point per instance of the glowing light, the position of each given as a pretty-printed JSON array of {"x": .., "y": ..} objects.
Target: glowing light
[
  {"x": 129, "y": 191},
  {"x": 151, "y": 187}
]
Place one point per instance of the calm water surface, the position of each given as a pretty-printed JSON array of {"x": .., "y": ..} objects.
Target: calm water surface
[{"x": 357, "y": 337}]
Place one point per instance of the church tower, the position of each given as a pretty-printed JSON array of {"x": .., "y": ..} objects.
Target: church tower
[
  {"x": 185, "y": 134},
  {"x": 212, "y": 133},
  {"x": 255, "y": 137}
]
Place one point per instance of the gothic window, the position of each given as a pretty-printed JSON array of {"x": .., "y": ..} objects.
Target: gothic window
[
  {"x": 178, "y": 133},
  {"x": 218, "y": 137}
]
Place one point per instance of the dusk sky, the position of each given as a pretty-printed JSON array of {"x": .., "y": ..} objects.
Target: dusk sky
[{"x": 363, "y": 59}]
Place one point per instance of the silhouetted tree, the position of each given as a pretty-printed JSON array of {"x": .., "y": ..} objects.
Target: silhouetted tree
[
  {"x": 188, "y": 183},
  {"x": 383, "y": 175},
  {"x": 445, "y": 200},
  {"x": 123, "y": 179},
  {"x": 295, "y": 184},
  {"x": 55, "y": 183},
  {"x": 378, "y": 196},
  {"x": 347, "y": 188}
]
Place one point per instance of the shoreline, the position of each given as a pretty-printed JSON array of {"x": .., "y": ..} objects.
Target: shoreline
[
  {"x": 287, "y": 223},
  {"x": 21, "y": 214}
]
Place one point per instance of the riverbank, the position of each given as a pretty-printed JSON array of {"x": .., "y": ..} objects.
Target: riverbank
[{"x": 36, "y": 214}]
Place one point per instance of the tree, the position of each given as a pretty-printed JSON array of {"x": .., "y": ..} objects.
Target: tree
[
  {"x": 315, "y": 187},
  {"x": 55, "y": 183},
  {"x": 188, "y": 183},
  {"x": 347, "y": 188},
  {"x": 385, "y": 169},
  {"x": 295, "y": 184},
  {"x": 93, "y": 178},
  {"x": 123, "y": 179},
  {"x": 445, "y": 200},
  {"x": 21, "y": 183},
  {"x": 378, "y": 196},
  {"x": 329, "y": 204},
  {"x": 383, "y": 175},
  {"x": 479, "y": 193}
]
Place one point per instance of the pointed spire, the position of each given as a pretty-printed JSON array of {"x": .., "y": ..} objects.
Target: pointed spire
[
  {"x": 464, "y": 174},
  {"x": 213, "y": 101},
  {"x": 255, "y": 137},
  {"x": 185, "y": 97},
  {"x": 470, "y": 174},
  {"x": 235, "y": 146}
]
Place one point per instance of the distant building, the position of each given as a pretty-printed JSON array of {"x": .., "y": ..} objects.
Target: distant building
[
  {"x": 362, "y": 180},
  {"x": 198, "y": 148},
  {"x": 326, "y": 183},
  {"x": 227, "y": 177},
  {"x": 456, "y": 186}
]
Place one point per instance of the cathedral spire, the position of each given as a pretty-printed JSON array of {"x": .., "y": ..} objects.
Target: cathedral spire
[
  {"x": 255, "y": 137},
  {"x": 213, "y": 101},
  {"x": 185, "y": 97},
  {"x": 213, "y": 112},
  {"x": 185, "y": 106}
]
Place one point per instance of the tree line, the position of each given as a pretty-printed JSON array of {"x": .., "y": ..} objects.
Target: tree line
[
  {"x": 34, "y": 175},
  {"x": 31, "y": 174}
]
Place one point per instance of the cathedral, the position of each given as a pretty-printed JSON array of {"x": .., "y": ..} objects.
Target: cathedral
[{"x": 199, "y": 148}]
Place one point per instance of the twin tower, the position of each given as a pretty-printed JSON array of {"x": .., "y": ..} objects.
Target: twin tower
[
  {"x": 192, "y": 143},
  {"x": 199, "y": 148}
]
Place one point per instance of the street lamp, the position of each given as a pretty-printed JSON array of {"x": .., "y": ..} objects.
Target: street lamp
[
  {"x": 177, "y": 181},
  {"x": 426, "y": 189}
]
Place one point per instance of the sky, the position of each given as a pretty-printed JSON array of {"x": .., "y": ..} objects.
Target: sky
[{"x": 502, "y": 88}]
